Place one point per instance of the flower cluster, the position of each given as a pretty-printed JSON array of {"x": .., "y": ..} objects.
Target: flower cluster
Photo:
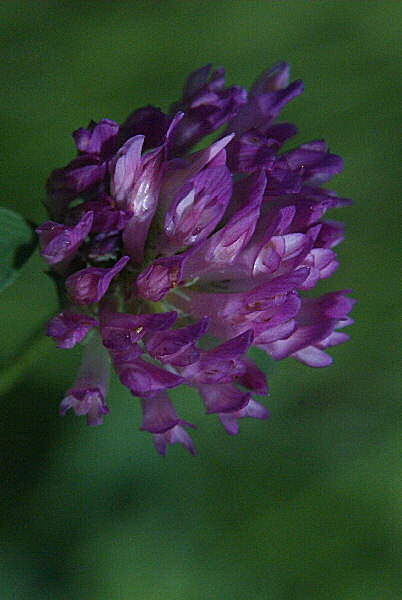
[{"x": 176, "y": 261}]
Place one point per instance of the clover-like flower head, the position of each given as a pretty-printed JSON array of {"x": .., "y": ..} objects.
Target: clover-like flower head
[{"x": 176, "y": 262}]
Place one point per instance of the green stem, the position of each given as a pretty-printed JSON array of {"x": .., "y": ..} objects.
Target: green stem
[{"x": 15, "y": 369}]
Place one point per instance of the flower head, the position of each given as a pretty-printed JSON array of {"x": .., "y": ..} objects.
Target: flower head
[{"x": 176, "y": 262}]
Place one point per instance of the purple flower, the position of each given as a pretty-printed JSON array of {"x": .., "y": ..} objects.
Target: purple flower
[
  {"x": 207, "y": 105},
  {"x": 107, "y": 218},
  {"x": 318, "y": 320},
  {"x": 145, "y": 379},
  {"x": 60, "y": 243},
  {"x": 69, "y": 328},
  {"x": 197, "y": 209},
  {"x": 231, "y": 404},
  {"x": 218, "y": 248},
  {"x": 268, "y": 97},
  {"x": 120, "y": 331},
  {"x": 161, "y": 419},
  {"x": 100, "y": 139},
  {"x": 87, "y": 396},
  {"x": 96, "y": 145},
  {"x": 221, "y": 364},
  {"x": 163, "y": 275},
  {"x": 177, "y": 347},
  {"x": 91, "y": 284}
]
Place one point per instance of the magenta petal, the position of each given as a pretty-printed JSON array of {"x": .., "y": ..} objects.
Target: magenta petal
[
  {"x": 334, "y": 339},
  {"x": 252, "y": 409},
  {"x": 230, "y": 423},
  {"x": 69, "y": 328},
  {"x": 237, "y": 346},
  {"x": 163, "y": 275},
  {"x": 159, "y": 414},
  {"x": 251, "y": 151},
  {"x": 178, "y": 172},
  {"x": 221, "y": 364},
  {"x": 225, "y": 246},
  {"x": 88, "y": 401},
  {"x": 275, "y": 78},
  {"x": 281, "y": 132},
  {"x": 207, "y": 104},
  {"x": 145, "y": 379},
  {"x": 197, "y": 209},
  {"x": 301, "y": 338},
  {"x": 254, "y": 378},
  {"x": 149, "y": 121},
  {"x": 264, "y": 107},
  {"x": 196, "y": 81},
  {"x": 99, "y": 139},
  {"x": 313, "y": 357},
  {"x": 90, "y": 285},
  {"x": 177, "y": 347},
  {"x": 124, "y": 169},
  {"x": 318, "y": 166},
  {"x": 225, "y": 398},
  {"x": 66, "y": 184},
  {"x": 334, "y": 305},
  {"x": 127, "y": 353},
  {"x": 87, "y": 396},
  {"x": 142, "y": 203},
  {"x": 107, "y": 218},
  {"x": 60, "y": 243},
  {"x": 121, "y": 330},
  {"x": 173, "y": 436}
]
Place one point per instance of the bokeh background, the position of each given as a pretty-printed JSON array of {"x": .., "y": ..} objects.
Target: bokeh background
[{"x": 305, "y": 506}]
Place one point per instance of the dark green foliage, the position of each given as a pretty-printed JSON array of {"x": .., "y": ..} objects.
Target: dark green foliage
[{"x": 17, "y": 242}]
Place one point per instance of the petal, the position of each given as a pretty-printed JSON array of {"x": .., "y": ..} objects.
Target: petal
[
  {"x": 197, "y": 209},
  {"x": 313, "y": 357},
  {"x": 207, "y": 105},
  {"x": 121, "y": 330},
  {"x": 252, "y": 409},
  {"x": 176, "y": 173},
  {"x": 177, "y": 347},
  {"x": 143, "y": 202},
  {"x": 300, "y": 339},
  {"x": 90, "y": 285},
  {"x": 254, "y": 378},
  {"x": 162, "y": 275},
  {"x": 224, "y": 247},
  {"x": 60, "y": 243},
  {"x": 69, "y": 328},
  {"x": 87, "y": 396},
  {"x": 221, "y": 364},
  {"x": 125, "y": 168},
  {"x": 159, "y": 414},
  {"x": 148, "y": 121},
  {"x": 99, "y": 139},
  {"x": 145, "y": 379},
  {"x": 264, "y": 107},
  {"x": 224, "y": 398},
  {"x": 251, "y": 151},
  {"x": 173, "y": 436}
]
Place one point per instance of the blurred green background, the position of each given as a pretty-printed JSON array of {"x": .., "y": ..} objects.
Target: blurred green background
[{"x": 305, "y": 506}]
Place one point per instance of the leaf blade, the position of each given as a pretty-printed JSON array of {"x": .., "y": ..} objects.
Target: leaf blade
[{"x": 18, "y": 241}]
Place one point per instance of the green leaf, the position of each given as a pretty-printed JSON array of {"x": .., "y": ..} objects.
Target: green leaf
[{"x": 17, "y": 242}]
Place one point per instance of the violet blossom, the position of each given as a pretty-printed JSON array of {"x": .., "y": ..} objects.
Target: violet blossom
[{"x": 176, "y": 262}]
